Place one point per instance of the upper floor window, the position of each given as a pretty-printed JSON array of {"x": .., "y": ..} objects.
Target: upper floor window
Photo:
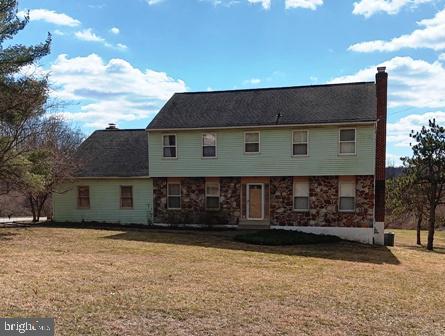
[
  {"x": 127, "y": 197},
  {"x": 83, "y": 197},
  {"x": 212, "y": 195},
  {"x": 169, "y": 146},
  {"x": 347, "y": 141},
  {"x": 209, "y": 145},
  {"x": 174, "y": 195},
  {"x": 300, "y": 143},
  {"x": 252, "y": 142},
  {"x": 346, "y": 190},
  {"x": 301, "y": 194}
]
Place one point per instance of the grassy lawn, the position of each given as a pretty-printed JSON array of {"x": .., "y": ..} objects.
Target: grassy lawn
[{"x": 116, "y": 282}]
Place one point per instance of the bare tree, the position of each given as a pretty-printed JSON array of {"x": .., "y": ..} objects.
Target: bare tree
[{"x": 52, "y": 161}]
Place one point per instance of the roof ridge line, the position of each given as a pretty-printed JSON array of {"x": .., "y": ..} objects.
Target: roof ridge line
[{"x": 278, "y": 88}]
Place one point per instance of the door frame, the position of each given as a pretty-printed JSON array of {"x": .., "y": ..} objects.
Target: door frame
[{"x": 248, "y": 200}]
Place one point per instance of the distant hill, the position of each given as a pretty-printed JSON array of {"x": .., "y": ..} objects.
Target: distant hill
[{"x": 393, "y": 172}]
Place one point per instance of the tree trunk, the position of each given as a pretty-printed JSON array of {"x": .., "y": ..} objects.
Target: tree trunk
[
  {"x": 419, "y": 224},
  {"x": 431, "y": 228},
  {"x": 33, "y": 208},
  {"x": 42, "y": 201}
]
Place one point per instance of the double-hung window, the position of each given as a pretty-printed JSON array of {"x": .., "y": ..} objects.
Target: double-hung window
[
  {"x": 173, "y": 195},
  {"x": 252, "y": 142},
  {"x": 209, "y": 145},
  {"x": 126, "y": 197},
  {"x": 83, "y": 197},
  {"x": 212, "y": 195},
  {"x": 301, "y": 194},
  {"x": 346, "y": 189},
  {"x": 300, "y": 143},
  {"x": 169, "y": 146},
  {"x": 347, "y": 141}
]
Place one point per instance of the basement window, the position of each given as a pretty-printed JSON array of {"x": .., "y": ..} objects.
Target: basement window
[
  {"x": 127, "y": 197},
  {"x": 173, "y": 196},
  {"x": 347, "y": 141},
  {"x": 346, "y": 189},
  {"x": 212, "y": 195},
  {"x": 83, "y": 197},
  {"x": 169, "y": 146}
]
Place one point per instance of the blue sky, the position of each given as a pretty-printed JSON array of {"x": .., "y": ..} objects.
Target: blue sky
[{"x": 119, "y": 61}]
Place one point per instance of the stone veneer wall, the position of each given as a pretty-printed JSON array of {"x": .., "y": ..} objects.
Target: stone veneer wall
[
  {"x": 323, "y": 194},
  {"x": 193, "y": 200},
  {"x": 323, "y": 198}
]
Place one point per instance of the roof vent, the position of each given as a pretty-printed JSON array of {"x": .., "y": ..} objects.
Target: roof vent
[{"x": 111, "y": 126}]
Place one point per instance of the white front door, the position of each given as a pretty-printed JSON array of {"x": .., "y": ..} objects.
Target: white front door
[{"x": 255, "y": 201}]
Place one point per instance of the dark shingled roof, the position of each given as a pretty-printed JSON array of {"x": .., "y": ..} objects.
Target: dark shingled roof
[
  {"x": 114, "y": 153},
  {"x": 330, "y": 103}
]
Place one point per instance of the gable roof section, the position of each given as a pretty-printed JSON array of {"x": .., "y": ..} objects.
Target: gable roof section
[
  {"x": 330, "y": 103},
  {"x": 114, "y": 153}
]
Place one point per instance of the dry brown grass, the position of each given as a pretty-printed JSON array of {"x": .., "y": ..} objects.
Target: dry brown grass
[{"x": 112, "y": 282}]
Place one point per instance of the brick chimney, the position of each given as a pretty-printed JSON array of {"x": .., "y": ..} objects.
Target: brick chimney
[{"x": 381, "y": 83}]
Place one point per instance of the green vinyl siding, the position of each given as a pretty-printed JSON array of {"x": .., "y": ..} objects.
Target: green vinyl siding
[
  {"x": 275, "y": 157},
  {"x": 105, "y": 202}
]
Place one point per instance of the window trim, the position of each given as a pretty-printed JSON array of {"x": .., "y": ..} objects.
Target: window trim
[
  {"x": 207, "y": 195},
  {"x": 308, "y": 196},
  {"x": 78, "y": 197},
  {"x": 202, "y": 146},
  {"x": 132, "y": 197},
  {"x": 354, "y": 180},
  {"x": 175, "y": 146},
  {"x": 180, "y": 195},
  {"x": 259, "y": 143},
  {"x": 293, "y": 143},
  {"x": 339, "y": 141}
]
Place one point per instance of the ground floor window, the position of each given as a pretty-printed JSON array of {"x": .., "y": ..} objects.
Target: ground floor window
[
  {"x": 127, "y": 197},
  {"x": 301, "y": 194},
  {"x": 346, "y": 189},
  {"x": 174, "y": 195},
  {"x": 212, "y": 195},
  {"x": 83, "y": 197}
]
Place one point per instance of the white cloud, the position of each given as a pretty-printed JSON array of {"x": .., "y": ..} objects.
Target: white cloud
[
  {"x": 58, "y": 32},
  {"x": 398, "y": 132},
  {"x": 252, "y": 81},
  {"x": 393, "y": 160},
  {"x": 115, "y": 30},
  {"x": 368, "y": 8},
  {"x": 265, "y": 3},
  {"x": 50, "y": 16},
  {"x": 307, "y": 4},
  {"x": 442, "y": 57},
  {"x": 431, "y": 35},
  {"x": 121, "y": 46},
  {"x": 110, "y": 91},
  {"x": 414, "y": 83},
  {"x": 154, "y": 2},
  {"x": 89, "y": 36}
]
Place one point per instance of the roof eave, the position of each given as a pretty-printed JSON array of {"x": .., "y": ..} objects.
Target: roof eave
[{"x": 343, "y": 123}]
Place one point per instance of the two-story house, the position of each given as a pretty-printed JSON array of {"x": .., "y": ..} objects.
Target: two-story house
[{"x": 308, "y": 158}]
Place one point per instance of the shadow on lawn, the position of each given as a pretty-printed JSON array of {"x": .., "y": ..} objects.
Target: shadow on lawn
[{"x": 347, "y": 251}]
